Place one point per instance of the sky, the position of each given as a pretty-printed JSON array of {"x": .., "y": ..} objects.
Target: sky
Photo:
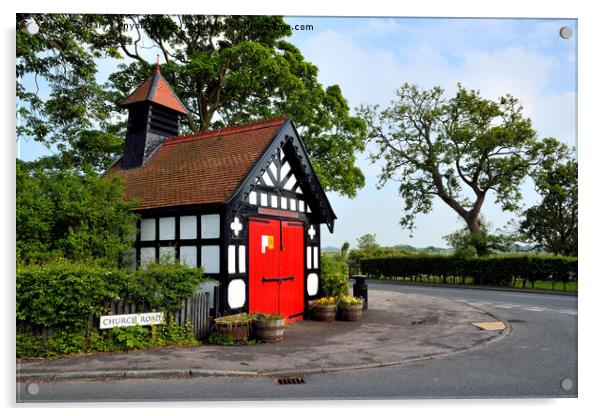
[{"x": 369, "y": 58}]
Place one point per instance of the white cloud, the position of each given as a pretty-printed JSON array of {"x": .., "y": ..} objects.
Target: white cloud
[{"x": 370, "y": 75}]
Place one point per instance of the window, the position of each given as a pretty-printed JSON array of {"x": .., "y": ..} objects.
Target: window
[
  {"x": 147, "y": 229},
  {"x": 147, "y": 256},
  {"x": 167, "y": 254},
  {"x": 210, "y": 226},
  {"x": 167, "y": 228},
  {"x": 188, "y": 255},
  {"x": 188, "y": 227},
  {"x": 210, "y": 259}
]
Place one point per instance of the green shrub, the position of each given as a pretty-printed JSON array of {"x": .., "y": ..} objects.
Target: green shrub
[
  {"x": 163, "y": 286},
  {"x": 497, "y": 270},
  {"x": 63, "y": 294},
  {"x": 334, "y": 275}
]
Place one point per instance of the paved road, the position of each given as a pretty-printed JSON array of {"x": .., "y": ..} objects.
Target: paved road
[{"x": 532, "y": 361}]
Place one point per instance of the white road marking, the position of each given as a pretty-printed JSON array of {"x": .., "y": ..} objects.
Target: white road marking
[
  {"x": 503, "y": 306},
  {"x": 534, "y": 309},
  {"x": 567, "y": 312}
]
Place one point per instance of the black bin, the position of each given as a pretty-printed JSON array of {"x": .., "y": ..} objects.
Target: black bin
[{"x": 360, "y": 288}]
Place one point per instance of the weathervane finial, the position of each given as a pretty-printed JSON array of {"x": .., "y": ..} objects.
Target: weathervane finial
[{"x": 158, "y": 66}]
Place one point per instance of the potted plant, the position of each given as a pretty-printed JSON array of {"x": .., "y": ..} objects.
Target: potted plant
[
  {"x": 268, "y": 327},
  {"x": 236, "y": 326},
  {"x": 324, "y": 309},
  {"x": 350, "y": 308}
]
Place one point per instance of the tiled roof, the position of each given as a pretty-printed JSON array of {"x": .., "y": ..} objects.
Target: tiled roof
[
  {"x": 201, "y": 168},
  {"x": 155, "y": 89}
]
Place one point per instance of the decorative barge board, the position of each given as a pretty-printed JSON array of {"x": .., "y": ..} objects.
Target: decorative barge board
[{"x": 242, "y": 202}]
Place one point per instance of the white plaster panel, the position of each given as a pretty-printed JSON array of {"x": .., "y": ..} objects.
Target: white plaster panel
[
  {"x": 236, "y": 293},
  {"x": 312, "y": 284}
]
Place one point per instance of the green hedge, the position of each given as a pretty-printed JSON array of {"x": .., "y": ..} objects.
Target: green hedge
[
  {"x": 497, "y": 270},
  {"x": 65, "y": 294}
]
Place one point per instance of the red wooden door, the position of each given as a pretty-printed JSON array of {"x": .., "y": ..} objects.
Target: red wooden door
[
  {"x": 291, "y": 268},
  {"x": 276, "y": 267}
]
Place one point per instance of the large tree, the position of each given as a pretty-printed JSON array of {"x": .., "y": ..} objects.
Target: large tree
[
  {"x": 226, "y": 69},
  {"x": 458, "y": 149},
  {"x": 552, "y": 224}
]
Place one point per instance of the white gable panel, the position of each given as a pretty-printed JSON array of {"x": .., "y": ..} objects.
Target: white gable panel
[
  {"x": 266, "y": 178},
  {"x": 284, "y": 170},
  {"x": 274, "y": 170},
  {"x": 291, "y": 182}
]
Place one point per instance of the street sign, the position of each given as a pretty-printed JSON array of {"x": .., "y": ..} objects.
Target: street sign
[{"x": 111, "y": 321}]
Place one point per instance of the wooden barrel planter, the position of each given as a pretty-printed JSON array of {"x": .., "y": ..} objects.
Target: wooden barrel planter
[
  {"x": 351, "y": 312},
  {"x": 325, "y": 313},
  {"x": 236, "y": 326},
  {"x": 269, "y": 330}
]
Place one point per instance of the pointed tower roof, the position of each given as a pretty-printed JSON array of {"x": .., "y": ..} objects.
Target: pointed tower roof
[{"x": 156, "y": 90}]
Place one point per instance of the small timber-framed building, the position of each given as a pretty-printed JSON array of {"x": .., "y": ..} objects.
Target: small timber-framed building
[{"x": 243, "y": 202}]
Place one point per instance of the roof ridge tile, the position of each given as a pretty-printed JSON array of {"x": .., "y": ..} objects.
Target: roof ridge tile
[{"x": 256, "y": 125}]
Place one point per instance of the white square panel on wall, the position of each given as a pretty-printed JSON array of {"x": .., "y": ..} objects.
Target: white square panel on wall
[
  {"x": 147, "y": 229},
  {"x": 167, "y": 254},
  {"x": 188, "y": 255},
  {"x": 188, "y": 227},
  {"x": 147, "y": 256},
  {"x": 167, "y": 228},
  {"x": 210, "y": 259},
  {"x": 210, "y": 226}
]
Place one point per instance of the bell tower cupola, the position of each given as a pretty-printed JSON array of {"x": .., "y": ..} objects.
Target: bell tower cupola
[{"x": 154, "y": 114}]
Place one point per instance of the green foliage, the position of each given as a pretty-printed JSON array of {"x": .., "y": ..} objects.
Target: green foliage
[
  {"x": 226, "y": 69},
  {"x": 349, "y": 300},
  {"x": 78, "y": 114},
  {"x": 368, "y": 243},
  {"x": 345, "y": 249},
  {"x": 63, "y": 294},
  {"x": 131, "y": 337},
  {"x": 334, "y": 275},
  {"x": 552, "y": 225},
  {"x": 480, "y": 243},
  {"x": 67, "y": 342},
  {"x": 497, "y": 270},
  {"x": 71, "y": 215},
  {"x": 457, "y": 149},
  {"x": 218, "y": 339},
  {"x": 164, "y": 286}
]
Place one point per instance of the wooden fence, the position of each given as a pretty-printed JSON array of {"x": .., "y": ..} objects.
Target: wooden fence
[{"x": 195, "y": 310}]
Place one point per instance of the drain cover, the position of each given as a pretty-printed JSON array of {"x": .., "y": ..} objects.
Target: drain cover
[{"x": 289, "y": 380}]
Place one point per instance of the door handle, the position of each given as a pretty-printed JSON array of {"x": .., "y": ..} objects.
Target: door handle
[{"x": 276, "y": 279}]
